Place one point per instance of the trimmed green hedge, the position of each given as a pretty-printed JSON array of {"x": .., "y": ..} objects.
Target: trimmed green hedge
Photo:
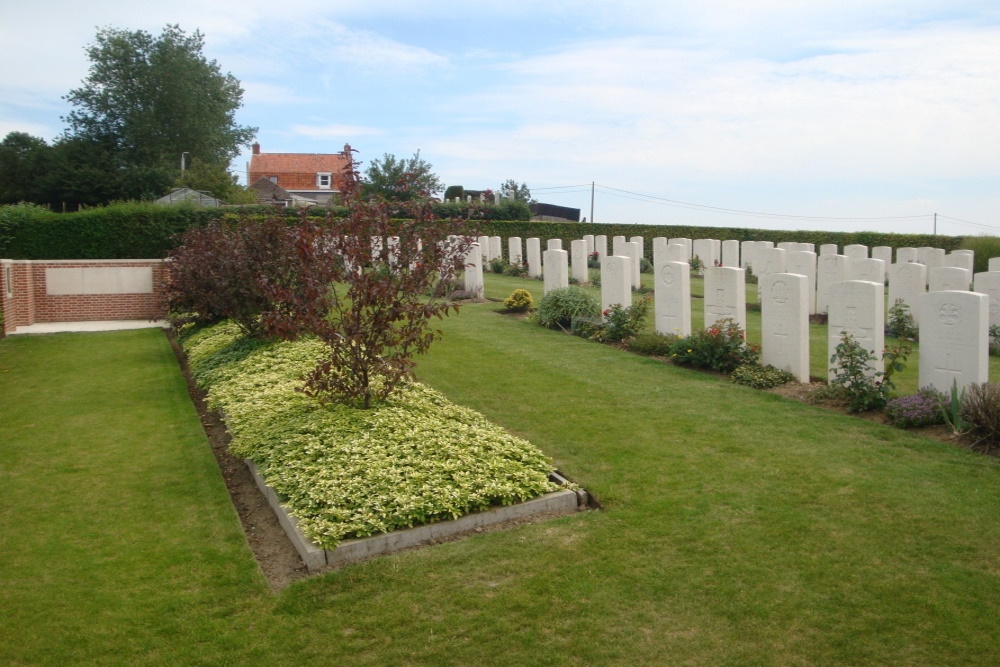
[{"x": 149, "y": 231}]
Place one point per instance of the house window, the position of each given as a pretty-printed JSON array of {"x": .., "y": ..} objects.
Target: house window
[
  {"x": 9, "y": 280},
  {"x": 273, "y": 179},
  {"x": 323, "y": 180}
]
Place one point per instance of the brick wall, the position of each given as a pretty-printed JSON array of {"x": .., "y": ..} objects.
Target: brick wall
[{"x": 31, "y": 294}]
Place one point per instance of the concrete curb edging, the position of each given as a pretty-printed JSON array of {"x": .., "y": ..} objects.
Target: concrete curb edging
[{"x": 349, "y": 551}]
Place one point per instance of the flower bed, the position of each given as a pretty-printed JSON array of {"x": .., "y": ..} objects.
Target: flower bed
[{"x": 345, "y": 472}]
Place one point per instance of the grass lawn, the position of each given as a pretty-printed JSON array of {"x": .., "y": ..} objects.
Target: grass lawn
[{"x": 738, "y": 527}]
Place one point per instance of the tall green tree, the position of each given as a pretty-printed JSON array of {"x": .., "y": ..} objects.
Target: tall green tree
[
  {"x": 404, "y": 179},
  {"x": 151, "y": 98},
  {"x": 512, "y": 190},
  {"x": 24, "y": 168}
]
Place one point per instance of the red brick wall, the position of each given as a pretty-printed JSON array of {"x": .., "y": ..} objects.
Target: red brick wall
[{"x": 31, "y": 303}]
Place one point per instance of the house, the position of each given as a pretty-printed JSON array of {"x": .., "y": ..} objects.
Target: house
[
  {"x": 187, "y": 195},
  {"x": 269, "y": 192},
  {"x": 316, "y": 176}
]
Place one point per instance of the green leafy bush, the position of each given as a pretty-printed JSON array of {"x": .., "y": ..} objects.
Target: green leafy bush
[
  {"x": 645, "y": 266},
  {"x": 559, "y": 307},
  {"x": 515, "y": 270},
  {"x": 623, "y": 323},
  {"x": 924, "y": 408},
  {"x": 760, "y": 377},
  {"x": 652, "y": 343},
  {"x": 413, "y": 459},
  {"x": 497, "y": 265},
  {"x": 853, "y": 380},
  {"x": 900, "y": 323},
  {"x": 721, "y": 347},
  {"x": 519, "y": 301}
]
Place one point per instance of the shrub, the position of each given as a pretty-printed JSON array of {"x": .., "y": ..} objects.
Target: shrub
[
  {"x": 222, "y": 271},
  {"x": 981, "y": 409},
  {"x": 853, "y": 381},
  {"x": 497, "y": 265},
  {"x": 618, "y": 323},
  {"x": 760, "y": 377},
  {"x": 900, "y": 322},
  {"x": 594, "y": 260},
  {"x": 721, "y": 347},
  {"x": 559, "y": 307},
  {"x": 696, "y": 263},
  {"x": 645, "y": 266},
  {"x": 515, "y": 270},
  {"x": 923, "y": 408},
  {"x": 652, "y": 343},
  {"x": 519, "y": 301},
  {"x": 985, "y": 247},
  {"x": 994, "y": 338}
]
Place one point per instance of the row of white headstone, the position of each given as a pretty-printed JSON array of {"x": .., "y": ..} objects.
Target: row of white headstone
[
  {"x": 954, "y": 323},
  {"x": 915, "y": 271}
]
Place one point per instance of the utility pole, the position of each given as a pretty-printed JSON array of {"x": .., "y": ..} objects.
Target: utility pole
[
  {"x": 935, "y": 224},
  {"x": 592, "y": 201},
  {"x": 182, "y": 161}
]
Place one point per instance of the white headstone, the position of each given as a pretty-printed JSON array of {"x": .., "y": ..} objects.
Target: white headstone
[
  {"x": 725, "y": 295},
  {"x": 768, "y": 260},
  {"x": 632, "y": 251},
  {"x": 589, "y": 238},
  {"x": 555, "y": 266},
  {"x": 474, "y": 271},
  {"x": 785, "y": 323},
  {"x": 676, "y": 252},
  {"x": 687, "y": 243},
  {"x": 884, "y": 253},
  {"x": 672, "y": 305},
  {"x": 829, "y": 269},
  {"x": 907, "y": 282},
  {"x": 601, "y": 246},
  {"x": 731, "y": 254},
  {"x": 954, "y": 340},
  {"x": 857, "y": 307},
  {"x": 554, "y": 244},
  {"x": 829, "y": 249},
  {"x": 944, "y": 278},
  {"x": 707, "y": 250},
  {"x": 578, "y": 258},
  {"x": 804, "y": 263},
  {"x": 659, "y": 249},
  {"x": 534, "y": 247},
  {"x": 856, "y": 251},
  {"x": 932, "y": 259},
  {"x": 872, "y": 270},
  {"x": 641, "y": 242},
  {"x": 616, "y": 282},
  {"x": 965, "y": 259},
  {"x": 988, "y": 283},
  {"x": 993, "y": 264},
  {"x": 496, "y": 248},
  {"x": 484, "y": 247},
  {"x": 788, "y": 246},
  {"x": 904, "y": 255},
  {"x": 514, "y": 253},
  {"x": 747, "y": 249},
  {"x": 806, "y": 247},
  {"x": 616, "y": 242}
]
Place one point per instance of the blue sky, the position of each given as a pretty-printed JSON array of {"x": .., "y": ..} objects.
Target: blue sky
[{"x": 846, "y": 114}]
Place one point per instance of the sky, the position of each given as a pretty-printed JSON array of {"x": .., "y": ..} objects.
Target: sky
[{"x": 844, "y": 115}]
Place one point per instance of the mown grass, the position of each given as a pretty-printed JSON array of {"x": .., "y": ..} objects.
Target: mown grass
[{"x": 738, "y": 527}]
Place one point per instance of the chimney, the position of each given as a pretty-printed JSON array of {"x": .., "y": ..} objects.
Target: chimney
[{"x": 256, "y": 148}]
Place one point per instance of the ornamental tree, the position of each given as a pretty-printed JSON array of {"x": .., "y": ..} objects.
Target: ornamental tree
[{"x": 363, "y": 284}]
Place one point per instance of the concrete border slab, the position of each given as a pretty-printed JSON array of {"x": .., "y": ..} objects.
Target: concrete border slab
[{"x": 315, "y": 557}]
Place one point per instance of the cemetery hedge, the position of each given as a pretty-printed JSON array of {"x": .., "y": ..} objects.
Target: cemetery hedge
[{"x": 143, "y": 230}]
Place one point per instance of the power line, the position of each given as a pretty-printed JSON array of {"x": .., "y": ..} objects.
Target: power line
[{"x": 664, "y": 201}]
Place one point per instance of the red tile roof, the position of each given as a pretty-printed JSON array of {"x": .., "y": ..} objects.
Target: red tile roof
[{"x": 298, "y": 163}]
